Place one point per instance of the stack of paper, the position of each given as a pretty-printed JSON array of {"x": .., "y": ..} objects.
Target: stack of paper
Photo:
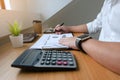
[{"x": 50, "y": 41}]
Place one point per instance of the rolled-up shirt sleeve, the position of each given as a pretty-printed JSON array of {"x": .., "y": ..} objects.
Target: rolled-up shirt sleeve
[{"x": 96, "y": 24}]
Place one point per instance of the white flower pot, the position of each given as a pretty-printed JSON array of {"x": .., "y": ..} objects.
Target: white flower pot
[{"x": 17, "y": 41}]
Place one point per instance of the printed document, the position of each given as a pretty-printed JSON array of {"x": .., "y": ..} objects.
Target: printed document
[{"x": 50, "y": 41}]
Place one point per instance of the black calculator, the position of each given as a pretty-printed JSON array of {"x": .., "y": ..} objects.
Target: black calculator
[{"x": 45, "y": 60}]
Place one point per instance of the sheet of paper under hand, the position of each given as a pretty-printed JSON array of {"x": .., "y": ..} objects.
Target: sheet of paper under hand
[{"x": 50, "y": 41}]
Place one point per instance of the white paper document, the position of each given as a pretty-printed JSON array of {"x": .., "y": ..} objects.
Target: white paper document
[{"x": 50, "y": 41}]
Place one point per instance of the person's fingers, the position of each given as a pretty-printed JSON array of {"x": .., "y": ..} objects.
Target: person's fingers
[
  {"x": 62, "y": 41},
  {"x": 70, "y": 42},
  {"x": 56, "y": 27},
  {"x": 58, "y": 32}
]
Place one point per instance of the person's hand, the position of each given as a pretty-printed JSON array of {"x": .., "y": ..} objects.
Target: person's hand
[
  {"x": 61, "y": 29},
  {"x": 70, "y": 42}
]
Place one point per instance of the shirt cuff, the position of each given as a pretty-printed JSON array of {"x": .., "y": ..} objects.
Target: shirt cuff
[{"x": 89, "y": 26}]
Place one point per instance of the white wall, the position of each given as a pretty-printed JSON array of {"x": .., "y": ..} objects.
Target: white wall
[
  {"x": 24, "y": 18},
  {"x": 46, "y": 8},
  {"x": 19, "y": 5}
]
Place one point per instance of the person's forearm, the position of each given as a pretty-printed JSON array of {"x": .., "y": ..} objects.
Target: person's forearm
[
  {"x": 78, "y": 28},
  {"x": 106, "y": 53}
]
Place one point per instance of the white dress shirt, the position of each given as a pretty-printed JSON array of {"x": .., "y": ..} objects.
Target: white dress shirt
[{"x": 108, "y": 21}]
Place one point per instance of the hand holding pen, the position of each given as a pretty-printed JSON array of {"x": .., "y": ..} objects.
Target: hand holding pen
[{"x": 59, "y": 29}]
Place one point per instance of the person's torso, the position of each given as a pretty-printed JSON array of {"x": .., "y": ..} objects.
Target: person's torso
[{"x": 111, "y": 22}]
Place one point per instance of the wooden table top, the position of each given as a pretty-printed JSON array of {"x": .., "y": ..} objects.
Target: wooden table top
[{"x": 89, "y": 69}]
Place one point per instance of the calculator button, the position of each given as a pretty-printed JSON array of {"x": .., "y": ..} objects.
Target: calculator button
[
  {"x": 54, "y": 56},
  {"x": 50, "y": 53},
  {"x": 43, "y": 59},
  {"x": 42, "y": 62},
  {"x": 65, "y": 62},
  {"x": 70, "y": 56},
  {"x": 48, "y": 59},
  {"x": 59, "y": 62},
  {"x": 53, "y": 59},
  {"x": 45, "y": 54},
  {"x": 59, "y": 59},
  {"x": 47, "y": 62},
  {"x": 70, "y": 59},
  {"x": 53, "y": 62},
  {"x": 64, "y": 56},
  {"x": 71, "y": 63},
  {"x": 59, "y": 56},
  {"x": 54, "y": 53},
  {"x": 64, "y": 59}
]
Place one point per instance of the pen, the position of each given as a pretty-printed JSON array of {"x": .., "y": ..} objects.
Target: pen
[{"x": 60, "y": 26}]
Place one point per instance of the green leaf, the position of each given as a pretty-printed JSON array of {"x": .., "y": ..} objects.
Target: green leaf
[{"x": 15, "y": 28}]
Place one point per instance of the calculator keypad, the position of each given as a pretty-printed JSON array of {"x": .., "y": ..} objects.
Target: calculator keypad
[{"x": 56, "y": 58}]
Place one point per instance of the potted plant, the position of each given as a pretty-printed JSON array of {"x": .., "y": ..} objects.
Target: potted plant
[{"x": 16, "y": 38}]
